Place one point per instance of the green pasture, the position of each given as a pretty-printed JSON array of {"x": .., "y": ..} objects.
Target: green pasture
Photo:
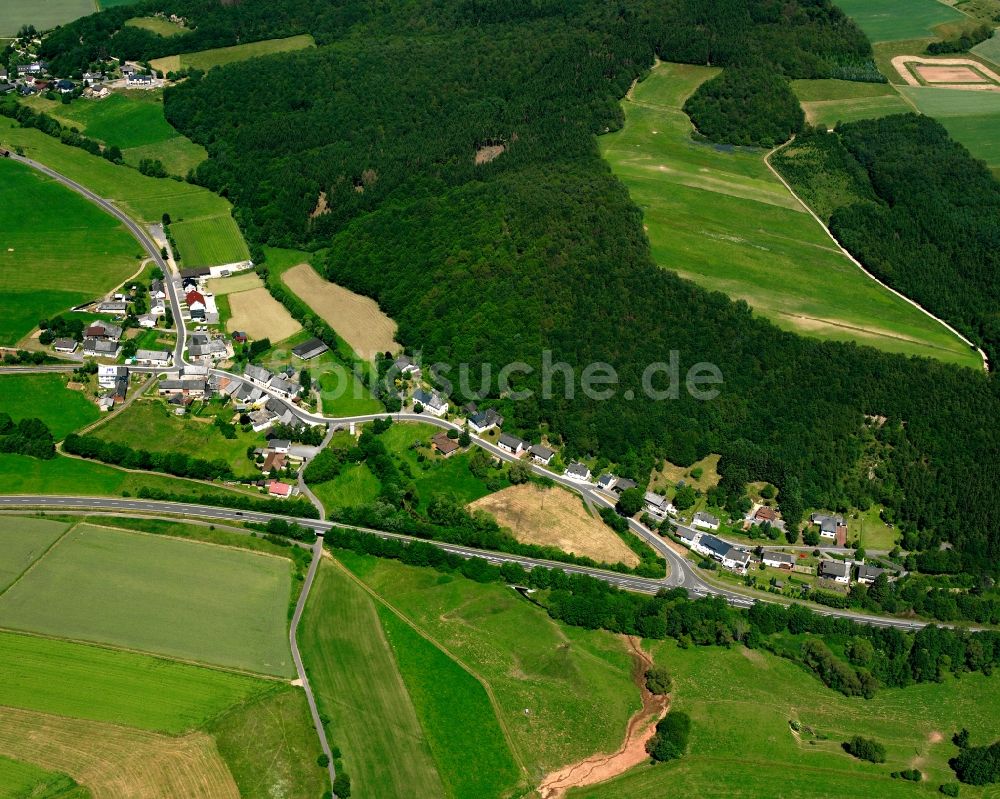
[
  {"x": 45, "y": 396},
  {"x": 144, "y": 198},
  {"x": 209, "y": 241},
  {"x": 742, "y": 745},
  {"x": 990, "y": 49},
  {"x": 43, "y": 14},
  {"x": 57, "y": 250},
  {"x": 19, "y": 780},
  {"x": 972, "y": 118},
  {"x": 827, "y": 102},
  {"x": 575, "y": 684},
  {"x": 206, "y": 59},
  {"x": 194, "y": 435},
  {"x": 354, "y": 486},
  {"x": 359, "y": 688},
  {"x": 157, "y": 25},
  {"x": 134, "y": 690},
  {"x": 717, "y": 216},
  {"x": 182, "y": 599},
  {"x": 890, "y": 20},
  {"x": 22, "y": 542}
]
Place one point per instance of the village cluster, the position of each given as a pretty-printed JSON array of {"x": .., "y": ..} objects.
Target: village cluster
[{"x": 34, "y": 77}]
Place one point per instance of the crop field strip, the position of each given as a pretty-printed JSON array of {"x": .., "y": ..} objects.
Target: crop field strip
[
  {"x": 206, "y": 59},
  {"x": 827, "y": 102},
  {"x": 22, "y": 780},
  {"x": 717, "y": 216},
  {"x": 211, "y": 605},
  {"x": 23, "y": 541},
  {"x": 43, "y": 14},
  {"x": 889, "y": 20}
]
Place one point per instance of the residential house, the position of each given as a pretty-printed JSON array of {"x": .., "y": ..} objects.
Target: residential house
[
  {"x": 156, "y": 289},
  {"x": 868, "y": 574},
  {"x": 284, "y": 387},
  {"x": 138, "y": 81},
  {"x": 128, "y": 69},
  {"x": 606, "y": 481},
  {"x": 511, "y": 444},
  {"x": 540, "y": 454},
  {"x": 705, "y": 521},
  {"x": 836, "y": 570},
  {"x": 158, "y": 306},
  {"x": 404, "y": 364},
  {"x": 481, "y": 421},
  {"x": 106, "y": 402},
  {"x": 195, "y": 301},
  {"x": 147, "y": 320},
  {"x": 100, "y": 348},
  {"x": 116, "y": 307},
  {"x": 121, "y": 388},
  {"x": 278, "y": 489},
  {"x": 577, "y": 471},
  {"x": 153, "y": 357},
  {"x": 186, "y": 387},
  {"x": 279, "y": 445},
  {"x": 309, "y": 349},
  {"x": 711, "y": 546},
  {"x": 687, "y": 536},
  {"x": 433, "y": 403},
  {"x": 65, "y": 86},
  {"x": 93, "y": 78},
  {"x": 446, "y": 446},
  {"x": 199, "y": 370},
  {"x": 6, "y": 88},
  {"x": 108, "y": 375},
  {"x": 3, "y": 73},
  {"x": 779, "y": 560},
  {"x": 239, "y": 337},
  {"x": 105, "y": 330},
  {"x": 830, "y": 526},
  {"x": 736, "y": 560},
  {"x": 207, "y": 349},
  {"x": 274, "y": 461},
  {"x": 257, "y": 374},
  {"x": 622, "y": 484},
  {"x": 658, "y": 505},
  {"x": 64, "y": 345}
]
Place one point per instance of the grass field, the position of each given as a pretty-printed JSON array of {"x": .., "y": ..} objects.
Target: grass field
[
  {"x": 158, "y": 25},
  {"x": 145, "y": 199},
  {"x": 889, "y": 20},
  {"x": 209, "y": 241},
  {"x": 827, "y": 102},
  {"x": 990, "y": 50},
  {"x": 45, "y": 396},
  {"x": 44, "y": 271},
  {"x": 359, "y": 688},
  {"x": 43, "y": 14},
  {"x": 22, "y": 542},
  {"x": 162, "y": 431},
  {"x": 62, "y": 678},
  {"x": 719, "y": 217},
  {"x": 556, "y": 517},
  {"x": 20, "y": 780},
  {"x": 971, "y": 118},
  {"x": 354, "y": 486},
  {"x": 742, "y": 744},
  {"x": 178, "y": 598},
  {"x": 206, "y": 59},
  {"x": 575, "y": 684}
]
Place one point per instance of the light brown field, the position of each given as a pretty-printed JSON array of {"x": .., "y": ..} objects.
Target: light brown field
[
  {"x": 118, "y": 762},
  {"x": 260, "y": 315},
  {"x": 669, "y": 475},
  {"x": 554, "y": 517},
  {"x": 356, "y": 319},
  {"x": 244, "y": 281},
  {"x": 956, "y": 74}
]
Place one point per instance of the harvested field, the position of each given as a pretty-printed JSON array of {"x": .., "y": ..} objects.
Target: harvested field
[
  {"x": 260, "y": 315},
  {"x": 955, "y": 74},
  {"x": 245, "y": 281},
  {"x": 118, "y": 762},
  {"x": 356, "y": 319},
  {"x": 554, "y": 517},
  {"x": 944, "y": 71}
]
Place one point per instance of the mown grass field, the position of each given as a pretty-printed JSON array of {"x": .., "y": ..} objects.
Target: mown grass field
[
  {"x": 741, "y": 702},
  {"x": 971, "y": 118},
  {"x": 43, "y": 14},
  {"x": 990, "y": 50},
  {"x": 209, "y": 241},
  {"x": 64, "y": 678},
  {"x": 20, "y": 780},
  {"x": 45, "y": 397},
  {"x": 354, "y": 486},
  {"x": 206, "y": 59},
  {"x": 22, "y": 542},
  {"x": 889, "y": 20},
  {"x": 56, "y": 250},
  {"x": 182, "y": 599},
  {"x": 144, "y": 198},
  {"x": 157, "y": 25},
  {"x": 719, "y": 217},
  {"x": 827, "y": 102},
  {"x": 575, "y": 684},
  {"x": 359, "y": 688}
]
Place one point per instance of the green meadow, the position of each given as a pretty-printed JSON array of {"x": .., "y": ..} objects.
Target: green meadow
[
  {"x": 206, "y": 59},
  {"x": 990, "y": 49},
  {"x": 742, "y": 702},
  {"x": 889, "y": 20},
  {"x": 20, "y": 780},
  {"x": 22, "y": 542},
  {"x": 827, "y": 102},
  {"x": 57, "y": 249},
  {"x": 971, "y": 118},
  {"x": 45, "y": 397},
  {"x": 158, "y": 25},
  {"x": 172, "y": 597},
  {"x": 716, "y": 215},
  {"x": 43, "y": 14},
  {"x": 205, "y": 242},
  {"x": 354, "y": 486}
]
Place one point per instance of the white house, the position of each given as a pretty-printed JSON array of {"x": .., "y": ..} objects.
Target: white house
[
  {"x": 577, "y": 471},
  {"x": 147, "y": 320},
  {"x": 829, "y": 525},
  {"x": 482, "y": 421},
  {"x": 868, "y": 574},
  {"x": 511, "y": 444},
  {"x": 658, "y": 505},
  {"x": 836, "y": 570},
  {"x": 406, "y": 365},
  {"x": 257, "y": 374},
  {"x": 606, "y": 481},
  {"x": 706, "y": 521},
  {"x": 778, "y": 560},
  {"x": 108, "y": 375},
  {"x": 540, "y": 454},
  {"x": 433, "y": 403},
  {"x": 153, "y": 357},
  {"x": 736, "y": 559}
]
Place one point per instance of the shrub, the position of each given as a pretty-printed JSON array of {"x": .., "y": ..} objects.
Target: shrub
[
  {"x": 671, "y": 739},
  {"x": 865, "y": 749},
  {"x": 658, "y": 680}
]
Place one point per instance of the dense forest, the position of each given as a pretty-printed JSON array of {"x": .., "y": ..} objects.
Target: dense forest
[
  {"x": 542, "y": 249},
  {"x": 923, "y": 215}
]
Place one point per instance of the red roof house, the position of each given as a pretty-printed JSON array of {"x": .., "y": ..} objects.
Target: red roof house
[
  {"x": 278, "y": 489},
  {"x": 195, "y": 300}
]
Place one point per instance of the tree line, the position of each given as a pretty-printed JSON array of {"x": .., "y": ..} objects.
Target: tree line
[{"x": 29, "y": 436}]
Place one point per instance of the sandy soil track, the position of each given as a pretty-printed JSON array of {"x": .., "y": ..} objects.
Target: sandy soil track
[{"x": 900, "y": 62}]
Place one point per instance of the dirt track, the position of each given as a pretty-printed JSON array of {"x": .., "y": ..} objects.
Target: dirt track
[
  {"x": 641, "y": 727},
  {"x": 899, "y": 64}
]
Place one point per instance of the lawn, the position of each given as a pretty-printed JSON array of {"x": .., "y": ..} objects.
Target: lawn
[
  {"x": 19, "y": 780},
  {"x": 43, "y": 14},
  {"x": 719, "y": 217},
  {"x": 45, "y": 396},
  {"x": 195, "y": 435},
  {"x": 575, "y": 684},
  {"x": 889, "y": 20},
  {"x": 46, "y": 269},
  {"x": 168, "y": 596},
  {"x": 206, "y": 59},
  {"x": 827, "y": 102},
  {"x": 359, "y": 688},
  {"x": 64, "y": 678},
  {"x": 22, "y": 542},
  {"x": 354, "y": 486},
  {"x": 741, "y": 703}
]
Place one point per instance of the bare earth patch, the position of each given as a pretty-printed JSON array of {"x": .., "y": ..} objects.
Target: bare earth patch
[
  {"x": 118, "y": 762},
  {"x": 245, "y": 281},
  {"x": 985, "y": 78},
  {"x": 322, "y": 206},
  {"x": 356, "y": 319},
  {"x": 641, "y": 728},
  {"x": 260, "y": 315},
  {"x": 957, "y": 74},
  {"x": 489, "y": 152},
  {"x": 554, "y": 517}
]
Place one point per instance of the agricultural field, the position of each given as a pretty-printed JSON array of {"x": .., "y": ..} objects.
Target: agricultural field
[
  {"x": 354, "y": 486},
  {"x": 558, "y": 518},
  {"x": 206, "y": 59},
  {"x": 827, "y": 102},
  {"x": 890, "y": 20},
  {"x": 717, "y": 216},
  {"x": 260, "y": 315},
  {"x": 43, "y": 14},
  {"x": 749, "y": 723},
  {"x": 22, "y": 542},
  {"x": 356, "y": 319},
  {"x": 990, "y": 49},
  {"x": 43, "y": 273},
  {"x": 209, "y": 241},
  {"x": 194, "y": 434},
  {"x": 182, "y": 599},
  {"x": 144, "y": 198},
  {"x": 45, "y": 396},
  {"x": 972, "y": 118},
  {"x": 19, "y": 780}
]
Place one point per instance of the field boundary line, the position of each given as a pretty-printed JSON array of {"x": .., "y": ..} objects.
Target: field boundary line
[
  {"x": 859, "y": 265},
  {"x": 72, "y": 526},
  {"x": 444, "y": 650}
]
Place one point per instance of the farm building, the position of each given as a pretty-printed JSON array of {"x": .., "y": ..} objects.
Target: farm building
[{"x": 309, "y": 349}]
